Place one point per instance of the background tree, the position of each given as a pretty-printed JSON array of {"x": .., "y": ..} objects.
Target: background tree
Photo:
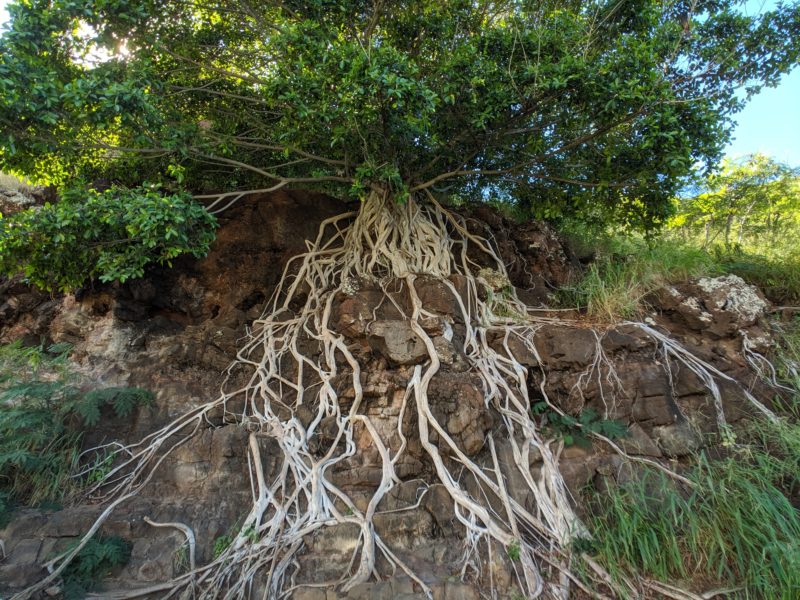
[{"x": 756, "y": 200}]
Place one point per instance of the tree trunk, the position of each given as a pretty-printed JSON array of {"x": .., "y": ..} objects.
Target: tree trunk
[{"x": 728, "y": 226}]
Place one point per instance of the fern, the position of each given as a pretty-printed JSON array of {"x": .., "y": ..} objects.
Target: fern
[
  {"x": 18, "y": 361},
  {"x": 122, "y": 400},
  {"x": 88, "y": 408},
  {"x": 42, "y": 409},
  {"x": 92, "y": 563}
]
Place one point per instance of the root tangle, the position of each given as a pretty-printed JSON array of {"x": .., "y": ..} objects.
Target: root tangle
[{"x": 296, "y": 358}]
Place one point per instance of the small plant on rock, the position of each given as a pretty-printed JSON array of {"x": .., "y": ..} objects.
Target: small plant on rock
[
  {"x": 221, "y": 544},
  {"x": 513, "y": 551},
  {"x": 94, "y": 561},
  {"x": 180, "y": 559},
  {"x": 576, "y": 430}
]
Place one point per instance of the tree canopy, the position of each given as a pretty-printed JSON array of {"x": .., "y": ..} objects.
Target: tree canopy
[{"x": 596, "y": 108}]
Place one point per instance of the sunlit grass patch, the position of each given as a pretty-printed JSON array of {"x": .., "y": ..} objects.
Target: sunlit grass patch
[{"x": 625, "y": 271}]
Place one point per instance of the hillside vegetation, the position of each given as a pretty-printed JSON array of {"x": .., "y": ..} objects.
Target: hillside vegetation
[{"x": 744, "y": 221}]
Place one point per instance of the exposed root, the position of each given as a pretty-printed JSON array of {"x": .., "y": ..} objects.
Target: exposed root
[
  {"x": 296, "y": 358},
  {"x": 764, "y": 368},
  {"x": 186, "y": 531},
  {"x": 707, "y": 373}
]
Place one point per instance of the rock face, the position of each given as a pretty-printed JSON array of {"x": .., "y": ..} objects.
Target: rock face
[
  {"x": 175, "y": 332},
  {"x": 719, "y": 306},
  {"x": 12, "y": 201}
]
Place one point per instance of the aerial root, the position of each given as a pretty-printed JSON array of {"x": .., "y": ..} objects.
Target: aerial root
[
  {"x": 707, "y": 373},
  {"x": 187, "y": 532},
  {"x": 296, "y": 358}
]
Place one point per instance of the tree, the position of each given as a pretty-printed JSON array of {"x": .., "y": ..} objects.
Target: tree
[
  {"x": 757, "y": 198},
  {"x": 596, "y": 108},
  {"x": 563, "y": 108}
]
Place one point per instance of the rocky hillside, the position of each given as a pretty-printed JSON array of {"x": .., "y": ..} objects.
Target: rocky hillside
[{"x": 176, "y": 331}]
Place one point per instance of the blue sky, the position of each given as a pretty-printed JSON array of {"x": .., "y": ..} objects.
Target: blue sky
[{"x": 770, "y": 123}]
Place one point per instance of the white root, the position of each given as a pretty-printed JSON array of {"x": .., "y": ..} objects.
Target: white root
[
  {"x": 707, "y": 373},
  {"x": 296, "y": 358},
  {"x": 188, "y": 534}
]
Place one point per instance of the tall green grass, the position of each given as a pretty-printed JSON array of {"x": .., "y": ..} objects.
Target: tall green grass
[
  {"x": 10, "y": 182},
  {"x": 787, "y": 360},
  {"x": 777, "y": 275},
  {"x": 626, "y": 271},
  {"x": 739, "y": 527}
]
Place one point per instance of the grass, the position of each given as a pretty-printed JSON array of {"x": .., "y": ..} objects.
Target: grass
[
  {"x": 778, "y": 276},
  {"x": 10, "y": 182},
  {"x": 626, "y": 270},
  {"x": 739, "y": 527},
  {"x": 788, "y": 355}
]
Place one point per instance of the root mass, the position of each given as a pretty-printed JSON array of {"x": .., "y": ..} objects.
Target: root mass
[{"x": 298, "y": 365}]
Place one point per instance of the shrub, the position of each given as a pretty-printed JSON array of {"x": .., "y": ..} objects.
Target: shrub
[{"x": 111, "y": 235}]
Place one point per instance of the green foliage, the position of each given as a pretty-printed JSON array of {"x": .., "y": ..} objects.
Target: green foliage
[
  {"x": 122, "y": 399},
  {"x": 43, "y": 412},
  {"x": 513, "y": 551},
  {"x": 591, "y": 107},
  {"x": 788, "y": 358},
  {"x": 111, "y": 235},
  {"x": 6, "y": 508},
  {"x": 94, "y": 561},
  {"x": 777, "y": 273},
  {"x": 747, "y": 216},
  {"x": 576, "y": 430},
  {"x": 628, "y": 269},
  {"x": 753, "y": 202},
  {"x": 180, "y": 559},
  {"x": 251, "y": 533},
  {"x": 737, "y": 527},
  {"x": 221, "y": 544}
]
